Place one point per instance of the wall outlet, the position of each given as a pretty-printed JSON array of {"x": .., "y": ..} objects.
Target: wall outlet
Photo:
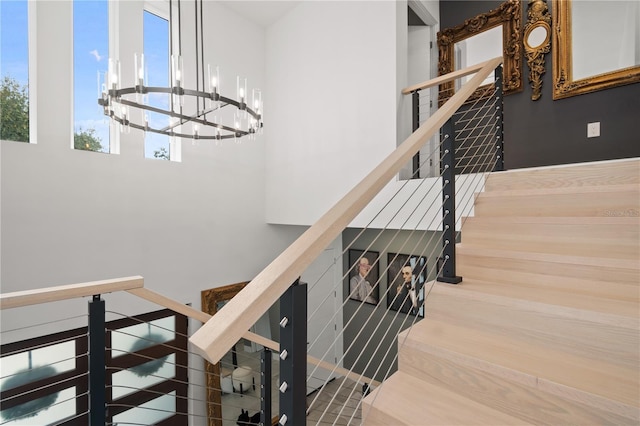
[{"x": 593, "y": 129}]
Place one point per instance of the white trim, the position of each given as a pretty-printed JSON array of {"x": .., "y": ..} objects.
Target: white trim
[
  {"x": 114, "y": 52},
  {"x": 422, "y": 12},
  {"x": 33, "y": 70}
]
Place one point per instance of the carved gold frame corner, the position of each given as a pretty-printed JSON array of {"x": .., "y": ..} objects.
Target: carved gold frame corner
[
  {"x": 508, "y": 15},
  {"x": 564, "y": 85},
  {"x": 538, "y": 16}
]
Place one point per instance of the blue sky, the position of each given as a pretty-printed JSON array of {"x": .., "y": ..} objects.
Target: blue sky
[
  {"x": 90, "y": 56},
  {"x": 14, "y": 40}
]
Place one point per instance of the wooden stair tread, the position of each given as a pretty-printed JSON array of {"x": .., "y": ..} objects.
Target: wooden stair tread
[
  {"x": 395, "y": 403},
  {"x": 552, "y": 299},
  {"x": 468, "y": 249},
  {"x": 609, "y": 337},
  {"x": 541, "y": 406},
  {"x": 524, "y": 362},
  {"x": 576, "y": 285},
  {"x": 632, "y": 221},
  {"x": 631, "y": 188},
  {"x": 574, "y": 175}
]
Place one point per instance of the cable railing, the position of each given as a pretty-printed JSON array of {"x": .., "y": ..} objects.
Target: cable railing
[
  {"x": 147, "y": 372},
  {"x": 339, "y": 322},
  {"x": 405, "y": 243}
]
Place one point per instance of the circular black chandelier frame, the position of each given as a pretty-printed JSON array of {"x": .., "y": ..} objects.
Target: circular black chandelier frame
[{"x": 200, "y": 118}]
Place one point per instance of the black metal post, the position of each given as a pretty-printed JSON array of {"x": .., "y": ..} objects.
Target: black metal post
[
  {"x": 97, "y": 373},
  {"x": 415, "y": 98},
  {"x": 499, "y": 166},
  {"x": 293, "y": 355},
  {"x": 265, "y": 387},
  {"x": 448, "y": 274}
]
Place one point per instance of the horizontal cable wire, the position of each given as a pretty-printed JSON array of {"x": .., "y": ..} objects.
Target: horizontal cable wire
[
  {"x": 44, "y": 345},
  {"x": 44, "y": 323}
]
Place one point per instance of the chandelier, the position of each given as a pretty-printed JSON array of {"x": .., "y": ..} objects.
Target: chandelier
[{"x": 206, "y": 115}]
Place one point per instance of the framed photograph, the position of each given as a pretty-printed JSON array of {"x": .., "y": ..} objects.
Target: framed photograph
[
  {"x": 406, "y": 275},
  {"x": 363, "y": 276}
]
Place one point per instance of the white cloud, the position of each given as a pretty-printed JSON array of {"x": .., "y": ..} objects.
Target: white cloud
[{"x": 96, "y": 55}]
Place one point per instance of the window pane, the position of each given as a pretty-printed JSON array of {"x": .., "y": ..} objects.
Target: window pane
[
  {"x": 60, "y": 356},
  {"x": 156, "y": 56},
  {"x": 90, "y": 57},
  {"x": 150, "y": 412},
  {"x": 14, "y": 70},
  {"x": 47, "y": 410},
  {"x": 142, "y": 335},
  {"x": 126, "y": 382}
]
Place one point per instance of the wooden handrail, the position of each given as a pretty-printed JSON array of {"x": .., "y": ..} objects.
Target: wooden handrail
[
  {"x": 218, "y": 335},
  {"x": 446, "y": 78},
  {"x": 71, "y": 291},
  {"x": 135, "y": 285}
]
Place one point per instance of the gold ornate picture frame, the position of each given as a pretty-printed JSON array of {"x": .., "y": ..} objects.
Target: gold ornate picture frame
[
  {"x": 508, "y": 14},
  {"x": 537, "y": 43},
  {"x": 564, "y": 85}
]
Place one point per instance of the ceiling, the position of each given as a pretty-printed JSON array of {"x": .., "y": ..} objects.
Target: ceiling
[{"x": 261, "y": 12}]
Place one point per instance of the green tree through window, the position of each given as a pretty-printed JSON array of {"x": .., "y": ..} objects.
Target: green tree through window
[{"x": 14, "y": 111}]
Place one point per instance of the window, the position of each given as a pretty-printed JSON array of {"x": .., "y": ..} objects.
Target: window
[
  {"x": 90, "y": 59},
  {"x": 156, "y": 57},
  {"x": 14, "y": 70}
]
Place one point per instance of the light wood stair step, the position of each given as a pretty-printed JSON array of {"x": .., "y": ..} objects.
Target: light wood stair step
[
  {"x": 406, "y": 400},
  {"x": 512, "y": 397},
  {"x": 553, "y": 299},
  {"x": 578, "y": 286},
  {"x": 588, "y": 202},
  {"x": 550, "y": 264},
  {"x": 484, "y": 306},
  {"x": 601, "y": 173},
  {"x": 435, "y": 349},
  {"x": 586, "y": 236}
]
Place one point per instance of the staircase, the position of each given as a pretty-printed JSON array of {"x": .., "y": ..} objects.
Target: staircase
[{"x": 544, "y": 328}]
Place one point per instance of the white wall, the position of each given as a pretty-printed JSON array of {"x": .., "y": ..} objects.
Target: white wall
[
  {"x": 331, "y": 79},
  {"x": 72, "y": 216}
]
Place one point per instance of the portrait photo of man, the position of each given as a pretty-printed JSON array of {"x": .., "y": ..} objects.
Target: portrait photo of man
[{"x": 363, "y": 276}]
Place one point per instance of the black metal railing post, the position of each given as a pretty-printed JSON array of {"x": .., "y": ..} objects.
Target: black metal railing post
[
  {"x": 97, "y": 372},
  {"x": 293, "y": 355},
  {"x": 448, "y": 274},
  {"x": 499, "y": 166},
  {"x": 415, "y": 114},
  {"x": 265, "y": 387}
]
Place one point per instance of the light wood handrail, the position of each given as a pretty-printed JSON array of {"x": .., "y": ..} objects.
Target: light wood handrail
[
  {"x": 135, "y": 285},
  {"x": 186, "y": 310},
  {"x": 71, "y": 291},
  {"x": 447, "y": 77},
  {"x": 218, "y": 335}
]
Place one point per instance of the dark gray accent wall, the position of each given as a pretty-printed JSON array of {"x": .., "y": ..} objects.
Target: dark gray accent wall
[
  {"x": 370, "y": 331},
  {"x": 548, "y": 132}
]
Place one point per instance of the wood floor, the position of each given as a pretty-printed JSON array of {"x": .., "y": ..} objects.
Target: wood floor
[{"x": 545, "y": 327}]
